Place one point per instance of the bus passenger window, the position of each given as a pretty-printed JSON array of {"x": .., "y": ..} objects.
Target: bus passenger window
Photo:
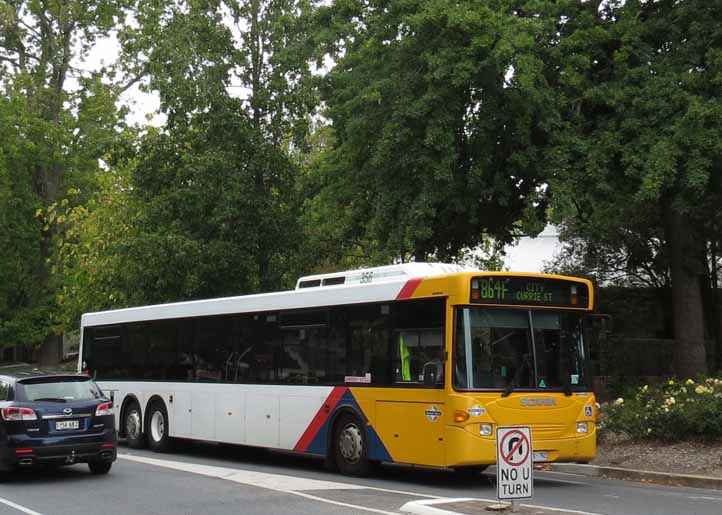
[
  {"x": 259, "y": 343},
  {"x": 368, "y": 356}
]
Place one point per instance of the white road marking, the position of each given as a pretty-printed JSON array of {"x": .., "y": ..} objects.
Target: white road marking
[
  {"x": 280, "y": 483},
  {"x": 299, "y": 486},
  {"x": 338, "y": 503},
  {"x": 703, "y": 498},
  {"x": 428, "y": 507},
  {"x": 277, "y": 482},
  {"x": 262, "y": 479},
  {"x": 18, "y": 507}
]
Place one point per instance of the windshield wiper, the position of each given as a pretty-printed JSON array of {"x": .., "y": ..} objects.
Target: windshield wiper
[
  {"x": 525, "y": 363},
  {"x": 509, "y": 388},
  {"x": 50, "y": 399},
  {"x": 567, "y": 386}
]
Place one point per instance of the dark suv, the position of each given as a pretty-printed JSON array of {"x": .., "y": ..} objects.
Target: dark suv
[{"x": 55, "y": 419}]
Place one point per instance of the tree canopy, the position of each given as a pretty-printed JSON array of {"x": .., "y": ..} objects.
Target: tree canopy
[
  {"x": 639, "y": 175},
  {"x": 303, "y": 136}
]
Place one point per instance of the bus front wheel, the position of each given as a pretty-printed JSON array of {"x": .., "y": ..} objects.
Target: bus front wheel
[
  {"x": 349, "y": 446},
  {"x": 133, "y": 424},
  {"x": 157, "y": 427}
]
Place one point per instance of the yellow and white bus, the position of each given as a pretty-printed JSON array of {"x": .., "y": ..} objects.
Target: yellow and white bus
[{"x": 414, "y": 363}]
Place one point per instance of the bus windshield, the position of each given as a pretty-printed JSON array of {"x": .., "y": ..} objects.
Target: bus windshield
[{"x": 528, "y": 349}]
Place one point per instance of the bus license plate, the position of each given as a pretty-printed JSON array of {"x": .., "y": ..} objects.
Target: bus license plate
[
  {"x": 541, "y": 456},
  {"x": 67, "y": 424}
]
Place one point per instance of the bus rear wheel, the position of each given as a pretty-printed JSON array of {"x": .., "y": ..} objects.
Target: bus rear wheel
[
  {"x": 157, "y": 427},
  {"x": 133, "y": 425},
  {"x": 349, "y": 446}
]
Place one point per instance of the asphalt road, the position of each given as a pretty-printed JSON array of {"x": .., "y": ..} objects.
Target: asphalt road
[{"x": 208, "y": 479}]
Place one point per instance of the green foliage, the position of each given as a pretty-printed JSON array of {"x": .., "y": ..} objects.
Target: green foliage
[
  {"x": 19, "y": 230},
  {"x": 446, "y": 126},
  {"x": 638, "y": 84},
  {"x": 618, "y": 256},
  {"x": 91, "y": 268},
  {"x": 672, "y": 411},
  {"x": 441, "y": 111},
  {"x": 207, "y": 221},
  {"x": 51, "y": 137},
  {"x": 638, "y": 175},
  {"x": 229, "y": 200}
]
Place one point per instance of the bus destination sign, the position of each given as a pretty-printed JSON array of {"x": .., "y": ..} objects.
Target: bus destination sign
[{"x": 529, "y": 291}]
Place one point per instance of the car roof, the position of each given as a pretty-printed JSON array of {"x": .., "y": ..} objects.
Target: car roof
[{"x": 19, "y": 372}]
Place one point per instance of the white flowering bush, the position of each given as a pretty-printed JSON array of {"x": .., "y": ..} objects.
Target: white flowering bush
[{"x": 671, "y": 411}]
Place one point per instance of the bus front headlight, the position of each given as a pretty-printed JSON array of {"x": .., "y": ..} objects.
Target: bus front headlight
[
  {"x": 582, "y": 427},
  {"x": 485, "y": 429}
]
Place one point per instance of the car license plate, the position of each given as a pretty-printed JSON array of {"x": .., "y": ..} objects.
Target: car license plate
[
  {"x": 67, "y": 424},
  {"x": 541, "y": 456}
]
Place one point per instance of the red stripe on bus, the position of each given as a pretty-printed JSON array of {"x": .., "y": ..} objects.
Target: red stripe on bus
[
  {"x": 409, "y": 288},
  {"x": 317, "y": 423}
]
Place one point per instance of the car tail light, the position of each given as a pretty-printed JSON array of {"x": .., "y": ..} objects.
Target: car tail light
[
  {"x": 18, "y": 414},
  {"x": 104, "y": 409}
]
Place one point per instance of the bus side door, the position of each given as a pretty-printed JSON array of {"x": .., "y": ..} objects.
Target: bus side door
[{"x": 412, "y": 426}]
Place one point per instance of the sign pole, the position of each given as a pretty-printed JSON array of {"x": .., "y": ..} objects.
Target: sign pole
[{"x": 514, "y": 506}]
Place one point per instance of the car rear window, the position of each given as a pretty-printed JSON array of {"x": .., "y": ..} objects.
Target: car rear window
[{"x": 58, "y": 389}]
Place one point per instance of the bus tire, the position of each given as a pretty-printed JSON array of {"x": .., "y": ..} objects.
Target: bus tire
[
  {"x": 350, "y": 449},
  {"x": 157, "y": 427},
  {"x": 133, "y": 425}
]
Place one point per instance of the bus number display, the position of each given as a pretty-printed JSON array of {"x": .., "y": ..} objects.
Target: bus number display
[{"x": 529, "y": 291}]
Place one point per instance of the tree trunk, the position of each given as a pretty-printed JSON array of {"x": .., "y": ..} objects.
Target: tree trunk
[
  {"x": 686, "y": 267},
  {"x": 50, "y": 353}
]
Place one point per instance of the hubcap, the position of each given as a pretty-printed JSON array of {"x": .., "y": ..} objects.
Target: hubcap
[
  {"x": 132, "y": 425},
  {"x": 350, "y": 443},
  {"x": 157, "y": 426}
]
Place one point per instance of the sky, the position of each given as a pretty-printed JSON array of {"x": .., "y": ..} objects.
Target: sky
[{"x": 143, "y": 107}]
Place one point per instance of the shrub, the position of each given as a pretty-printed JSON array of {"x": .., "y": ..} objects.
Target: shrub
[{"x": 671, "y": 411}]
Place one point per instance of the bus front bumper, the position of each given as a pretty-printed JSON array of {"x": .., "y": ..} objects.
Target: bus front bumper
[{"x": 464, "y": 448}]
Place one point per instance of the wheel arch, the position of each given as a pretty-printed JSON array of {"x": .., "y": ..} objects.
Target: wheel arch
[
  {"x": 153, "y": 399},
  {"x": 127, "y": 401},
  {"x": 333, "y": 419}
]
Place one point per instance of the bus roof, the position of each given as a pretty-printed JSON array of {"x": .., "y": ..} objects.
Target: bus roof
[
  {"x": 380, "y": 274},
  {"x": 378, "y": 285}
]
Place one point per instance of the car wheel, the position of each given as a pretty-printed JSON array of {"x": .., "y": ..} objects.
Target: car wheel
[
  {"x": 157, "y": 427},
  {"x": 133, "y": 425},
  {"x": 100, "y": 467},
  {"x": 349, "y": 446}
]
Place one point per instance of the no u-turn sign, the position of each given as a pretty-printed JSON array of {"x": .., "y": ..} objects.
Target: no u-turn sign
[{"x": 514, "y": 463}]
